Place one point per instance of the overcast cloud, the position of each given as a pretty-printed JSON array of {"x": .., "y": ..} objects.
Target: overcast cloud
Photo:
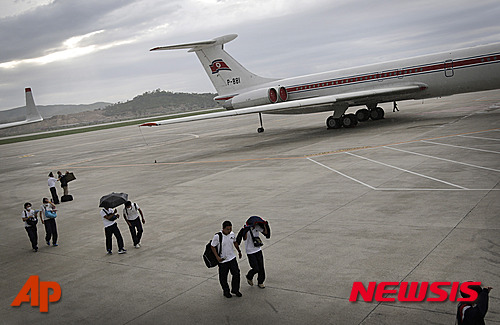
[{"x": 84, "y": 51}]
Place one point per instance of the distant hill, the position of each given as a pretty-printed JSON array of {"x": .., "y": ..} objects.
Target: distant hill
[
  {"x": 161, "y": 102},
  {"x": 149, "y": 104}
]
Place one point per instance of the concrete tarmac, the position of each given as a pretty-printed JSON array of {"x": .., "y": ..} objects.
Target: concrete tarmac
[{"x": 413, "y": 197}]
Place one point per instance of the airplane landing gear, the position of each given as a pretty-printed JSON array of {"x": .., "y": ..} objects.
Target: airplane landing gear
[
  {"x": 347, "y": 121},
  {"x": 333, "y": 123},
  {"x": 340, "y": 119},
  {"x": 261, "y": 129},
  {"x": 377, "y": 113},
  {"x": 363, "y": 115}
]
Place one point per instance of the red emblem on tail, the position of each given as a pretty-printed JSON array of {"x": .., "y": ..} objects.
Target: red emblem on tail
[{"x": 218, "y": 65}]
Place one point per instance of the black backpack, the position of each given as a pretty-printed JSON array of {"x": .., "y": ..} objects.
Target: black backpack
[
  {"x": 32, "y": 221},
  {"x": 208, "y": 255}
]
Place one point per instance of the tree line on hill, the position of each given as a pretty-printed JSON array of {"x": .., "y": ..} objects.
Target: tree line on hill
[{"x": 161, "y": 102}]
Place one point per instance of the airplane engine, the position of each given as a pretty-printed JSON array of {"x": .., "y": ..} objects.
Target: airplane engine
[
  {"x": 257, "y": 97},
  {"x": 283, "y": 94}
]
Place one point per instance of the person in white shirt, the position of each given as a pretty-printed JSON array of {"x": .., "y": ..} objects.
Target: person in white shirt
[
  {"x": 253, "y": 249},
  {"x": 29, "y": 218},
  {"x": 111, "y": 228},
  {"x": 227, "y": 259},
  {"x": 50, "y": 223},
  {"x": 131, "y": 213},
  {"x": 52, "y": 186}
]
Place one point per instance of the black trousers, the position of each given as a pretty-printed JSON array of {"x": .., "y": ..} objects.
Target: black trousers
[
  {"x": 55, "y": 198},
  {"x": 110, "y": 231},
  {"x": 33, "y": 236},
  {"x": 50, "y": 230},
  {"x": 224, "y": 269},
  {"x": 256, "y": 261},
  {"x": 136, "y": 224}
]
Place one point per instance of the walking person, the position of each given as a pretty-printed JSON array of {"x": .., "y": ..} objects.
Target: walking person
[
  {"x": 30, "y": 221},
  {"x": 111, "y": 228},
  {"x": 47, "y": 215},
  {"x": 227, "y": 260},
  {"x": 250, "y": 233},
  {"x": 131, "y": 213},
  {"x": 52, "y": 186}
]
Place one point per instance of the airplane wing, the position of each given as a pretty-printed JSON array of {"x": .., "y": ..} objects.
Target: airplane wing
[
  {"x": 302, "y": 103},
  {"x": 12, "y": 124}
]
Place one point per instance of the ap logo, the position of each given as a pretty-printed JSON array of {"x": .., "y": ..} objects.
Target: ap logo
[{"x": 38, "y": 292}]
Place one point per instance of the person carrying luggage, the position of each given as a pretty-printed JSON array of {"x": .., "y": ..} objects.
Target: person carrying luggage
[{"x": 227, "y": 260}]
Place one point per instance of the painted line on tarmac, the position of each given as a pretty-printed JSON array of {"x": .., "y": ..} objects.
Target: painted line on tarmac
[
  {"x": 408, "y": 171},
  {"x": 342, "y": 174},
  {"x": 481, "y": 138},
  {"x": 400, "y": 143},
  {"x": 461, "y": 147},
  {"x": 448, "y": 160}
]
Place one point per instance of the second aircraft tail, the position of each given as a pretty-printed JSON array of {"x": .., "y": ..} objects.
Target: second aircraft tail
[{"x": 32, "y": 113}]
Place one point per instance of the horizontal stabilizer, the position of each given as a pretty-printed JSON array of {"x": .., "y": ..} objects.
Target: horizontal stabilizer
[{"x": 198, "y": 45}]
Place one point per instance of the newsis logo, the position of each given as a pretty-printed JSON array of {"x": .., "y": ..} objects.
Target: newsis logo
[
  {"x": 218, "y": 65},
  {"x": 412, "y": 292},
  {"x": 37, "y": 292}
]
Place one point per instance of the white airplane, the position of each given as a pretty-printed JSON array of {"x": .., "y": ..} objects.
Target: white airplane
[
  {"x": 430, "y": 76},
  {"x": 32, "y": 113}
]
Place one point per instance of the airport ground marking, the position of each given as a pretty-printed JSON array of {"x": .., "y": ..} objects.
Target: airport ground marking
[
  {"x": 438, "y": 158},
  {"x": 407, "y": 171},
  {"x": 461, "y": 147},
  {"x": 400, "y": 143},
  {"x": 394, "y": 189},
  {"x": 481, "y": 138},
  {"x": 342, "y": 174}
]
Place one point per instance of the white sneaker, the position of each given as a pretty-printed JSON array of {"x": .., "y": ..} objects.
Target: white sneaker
[
  {"x": 138, "y": 246},
  {"x": 262, "y": 286},
  {"x": 122, "y": 251}
]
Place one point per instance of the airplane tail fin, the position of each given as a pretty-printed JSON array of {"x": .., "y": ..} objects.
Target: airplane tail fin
[
  {"x": 227, "y": 75},
  {"x": 32, "y": 113}
]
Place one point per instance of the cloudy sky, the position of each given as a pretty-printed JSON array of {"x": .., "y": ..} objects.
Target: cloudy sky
[{"x": 84, "y": 51}]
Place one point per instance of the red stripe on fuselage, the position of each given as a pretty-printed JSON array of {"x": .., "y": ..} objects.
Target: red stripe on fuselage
[{"x": 399, "y": 73}]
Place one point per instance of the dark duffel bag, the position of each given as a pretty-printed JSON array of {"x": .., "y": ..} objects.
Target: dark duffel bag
[{"x": 66, "y": 198}]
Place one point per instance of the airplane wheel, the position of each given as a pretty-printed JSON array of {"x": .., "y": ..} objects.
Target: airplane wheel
[
  {"x": 333, "y": 123},
  {"x": 260, "y": 130},
  {"x": 381, "y": 112},
  {"x": 377, "y": 114},
  {"x": 363, "y": 115},
  {"x": 349, "y": 120}
]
